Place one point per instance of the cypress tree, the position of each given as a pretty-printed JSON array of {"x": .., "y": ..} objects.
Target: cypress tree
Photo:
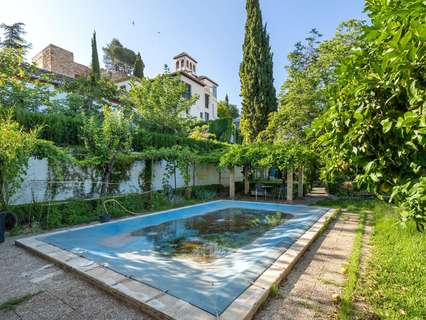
[
  {"x": 256, "y": 75},
  {"x": 139, "y": 67},
  {"x": 96, "y": 70}
]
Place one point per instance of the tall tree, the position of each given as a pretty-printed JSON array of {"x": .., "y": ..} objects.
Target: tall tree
[
  {"x": 138, "y": 67},
  {"x": 257, "y": 88},
  {"x": 310, "y": 74},
  {"x": 14, "y": 36},
  {"x": 96, "y": 70},
  {"x": 160, "y": 105},
  {"x": 118, "y": 58},
  {"x": 227, "y": 110},
  {"x": 375, "y": 126},
  {"x": 105, "y": 138}
]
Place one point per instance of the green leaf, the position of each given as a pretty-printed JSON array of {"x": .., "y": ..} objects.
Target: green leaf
[{"x": 387, "y": 125}]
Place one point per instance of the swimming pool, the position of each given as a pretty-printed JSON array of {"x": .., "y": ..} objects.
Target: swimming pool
[{"x": 206, "y": 254}]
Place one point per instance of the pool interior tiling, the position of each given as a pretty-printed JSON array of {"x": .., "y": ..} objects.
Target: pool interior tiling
[{"x": 206, "y": 254}]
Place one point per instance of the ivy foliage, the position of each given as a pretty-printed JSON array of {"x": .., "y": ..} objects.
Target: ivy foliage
[
  {"x": 16, "y": 147},
  {"x": 289, "y": 155},
  {"x": 284, "y": 156},
  {"x": 375, "y": 127},
  {"x": 245, "y": 155}
]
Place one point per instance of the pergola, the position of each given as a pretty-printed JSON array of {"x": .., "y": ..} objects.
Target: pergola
[{"x": 289, "y": 158}]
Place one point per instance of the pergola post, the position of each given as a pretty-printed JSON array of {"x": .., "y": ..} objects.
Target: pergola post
[
  {"x": 300, "y": 184},
  {"x": 290, "y": 185},
  {"x": 232, "y": 182},
  {"x": 246, "y": 170}
]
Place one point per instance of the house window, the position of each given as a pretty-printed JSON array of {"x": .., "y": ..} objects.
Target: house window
[
  {"x": 193, "y": 68},
  {"x": 201, "y": 115},
  {"x": 187, "y": 64},
  {"x": 177, "y": 65},
  {"x": 206, "y": 116},
  {"x": 188, "y": 92},
  {"x": 181, "y": 63},
  {"x": 215, "y": 92},
  {"x": 207, "y": 101}
]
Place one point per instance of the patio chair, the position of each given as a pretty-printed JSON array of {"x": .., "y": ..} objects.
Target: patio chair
[
  {"x": 169, "y": 192},
  {"x": 259, "y": 190},
  {"x": 281, "y": 192}
]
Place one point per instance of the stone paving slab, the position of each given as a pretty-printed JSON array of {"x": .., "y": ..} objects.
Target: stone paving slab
[
  {"x": 307, "y": 291},
  {"x": 62, "y": 295}
]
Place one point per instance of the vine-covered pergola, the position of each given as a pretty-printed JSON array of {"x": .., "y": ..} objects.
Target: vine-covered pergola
[{"x": 286, "y": 157}]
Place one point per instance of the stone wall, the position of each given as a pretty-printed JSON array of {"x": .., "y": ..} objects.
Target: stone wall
[
  {"x": 35, "y": 186},
  {"x": 60, "y": 61}
]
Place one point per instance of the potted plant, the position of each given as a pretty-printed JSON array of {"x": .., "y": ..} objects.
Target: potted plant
[{"x": 16, "y": 146}]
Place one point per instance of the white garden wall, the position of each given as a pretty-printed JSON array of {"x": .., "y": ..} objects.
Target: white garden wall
[{"x": 36, "y": 181}]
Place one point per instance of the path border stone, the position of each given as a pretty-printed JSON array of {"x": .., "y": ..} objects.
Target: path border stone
[{"x": 162, "y": 305}]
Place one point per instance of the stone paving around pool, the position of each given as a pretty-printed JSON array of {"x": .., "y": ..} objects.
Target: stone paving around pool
[
  {"x": 307, "y": 293},
  {"x": 62, "y": 295},
  {"x": 58, "y": 294}
]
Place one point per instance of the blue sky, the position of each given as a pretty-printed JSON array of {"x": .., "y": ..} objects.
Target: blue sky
[{"x": 211, "y": 31}]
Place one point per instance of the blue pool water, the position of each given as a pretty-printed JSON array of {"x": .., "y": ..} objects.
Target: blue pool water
[{"x": 205, "y": 254}]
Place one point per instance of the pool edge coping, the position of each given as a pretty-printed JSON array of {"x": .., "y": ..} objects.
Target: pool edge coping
[{"x": 162, "y": 305}]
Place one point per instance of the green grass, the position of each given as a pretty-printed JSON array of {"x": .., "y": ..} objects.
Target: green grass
[
  {"x": 352, "y": 273},
  {"x": 394, "y": 284},
  {"x": 11, "y": 304},
  {"x": 396, "y": 281}
]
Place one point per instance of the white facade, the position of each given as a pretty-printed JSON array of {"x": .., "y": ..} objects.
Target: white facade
[{"x": 206, "y": 89}]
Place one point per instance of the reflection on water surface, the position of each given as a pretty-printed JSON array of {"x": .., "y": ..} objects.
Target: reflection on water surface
[{"x": 207, "y": 237}]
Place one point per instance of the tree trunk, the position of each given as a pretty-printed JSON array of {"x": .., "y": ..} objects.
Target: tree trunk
[
  {"x": 107, "y": 176},
  {"x": 3, "y": 194},
  {"x": 174, "y": 175},
  {"x": 147, "y": 181},
  {"x": 290, "y": 185},
  {"x": 232, "y": 183},
  {"x": 193, "y": 174},
  {"x": 300, "y": 184},
  {"x": 246, "y": 180}
]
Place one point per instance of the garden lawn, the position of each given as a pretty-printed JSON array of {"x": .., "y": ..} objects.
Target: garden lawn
[{"x": 394, "y": 284}]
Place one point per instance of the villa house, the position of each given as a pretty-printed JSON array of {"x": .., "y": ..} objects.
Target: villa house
[
  {"x": 61, "y": 62},
  {"x": 206, "y": 106}
]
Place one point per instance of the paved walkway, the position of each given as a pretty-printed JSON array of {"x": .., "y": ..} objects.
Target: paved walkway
[
  {"x": 57, "y": 295},
  {"x": 306, "y": 294},
  {"x": 308, "y": 291}
]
